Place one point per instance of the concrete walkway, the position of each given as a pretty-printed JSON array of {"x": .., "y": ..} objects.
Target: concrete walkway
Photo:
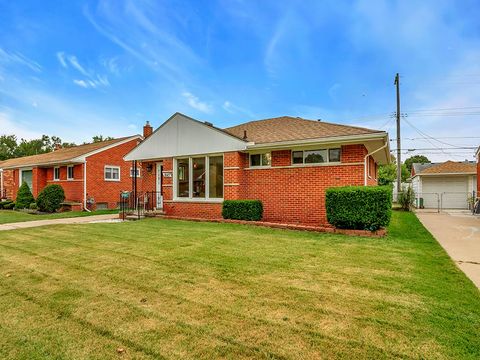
[
  {"x": 73, "y": 220},
  {"x": 459, "y": 235}
]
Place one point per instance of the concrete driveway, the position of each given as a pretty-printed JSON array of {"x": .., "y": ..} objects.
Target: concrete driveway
[{"x": 459, "y": 234}]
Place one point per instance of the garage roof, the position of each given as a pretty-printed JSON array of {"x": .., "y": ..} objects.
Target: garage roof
[{"x": 449, "y": 167}]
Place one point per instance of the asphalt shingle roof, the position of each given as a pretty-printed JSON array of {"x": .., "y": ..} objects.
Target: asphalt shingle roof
[
  {"x": 288, "y": 128},
  {"x": 59, "y": 156},
  {"x": 451, "y": 167}
]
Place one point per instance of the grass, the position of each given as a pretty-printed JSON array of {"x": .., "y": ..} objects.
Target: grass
[
  {"x": 11, "y": 216},
  {"x": 173, "y": 289}
]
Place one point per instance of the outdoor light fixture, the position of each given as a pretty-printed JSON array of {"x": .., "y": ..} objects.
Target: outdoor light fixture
[{"x": 149, "y": 168}]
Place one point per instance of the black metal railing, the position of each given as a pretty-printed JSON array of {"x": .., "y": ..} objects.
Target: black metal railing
[{"x": 136, "y": 205}]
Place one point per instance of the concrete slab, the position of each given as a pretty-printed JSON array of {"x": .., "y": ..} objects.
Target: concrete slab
[
  {"x": 74, "y": 220},
  {"x": 459, "y": 234}
]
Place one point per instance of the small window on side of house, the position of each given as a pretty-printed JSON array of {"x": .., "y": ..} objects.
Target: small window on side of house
[
  {"x": 56, "y": 173},
  {"x": 334, "y": 155},
  {"x": 70, "y": 172},
  {"x": 297, "y": 157},
  {"x": 112, "y": 173},
  {"x": 132, "y": 172},
  {"x": 264, "y": 159}
]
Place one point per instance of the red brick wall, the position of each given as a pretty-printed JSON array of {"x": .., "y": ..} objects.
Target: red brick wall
[
  {"x": 73, "y": 188},
  {"x": 109, "y": 191},
  {"x": 290, "y": 194},
  {"x": 9, "y": 184}
]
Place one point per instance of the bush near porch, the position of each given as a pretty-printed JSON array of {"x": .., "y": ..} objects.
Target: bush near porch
[{"x": 359, "y": 207}]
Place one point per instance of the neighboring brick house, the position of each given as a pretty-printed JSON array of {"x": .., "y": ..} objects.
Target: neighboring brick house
[
  {"x": 99, "y": 186},
  {"x": 285, "y": 162}
]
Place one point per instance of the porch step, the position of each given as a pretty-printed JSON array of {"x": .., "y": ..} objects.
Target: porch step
[
  {"x": 134, "y": 217},
  {"x": 155, "y": 213}
]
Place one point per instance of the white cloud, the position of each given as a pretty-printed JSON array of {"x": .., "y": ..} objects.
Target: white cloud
[
  {"x": 74, "y": 62},
  {"x": 231, "y": 108},
  {"x": 61, "y": 59},
  {"x": 81, "y": 83},
  {"x": 195, "y": 103},
  {"x": 20, "y": 59}
]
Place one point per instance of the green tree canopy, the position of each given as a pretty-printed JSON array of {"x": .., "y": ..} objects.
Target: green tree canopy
[
  {"x": 387, "y": 174},
  {"x": 415, "y": 159}
]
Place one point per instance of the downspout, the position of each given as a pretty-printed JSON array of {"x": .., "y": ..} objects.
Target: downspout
[
  {"x": 85, "y": 186},
  {"x": 365, "y": 161}
]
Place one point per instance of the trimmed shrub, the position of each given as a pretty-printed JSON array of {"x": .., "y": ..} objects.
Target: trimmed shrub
[
  {"x": 51, "y": 198},
  {"x": 5, "y": 202},
  {"x": 9, "y": 205},
  {"x": 24, "y": 197},
  {"x": 251, "y": 210},
  {"x": 33, "y": 206},
  {"x": 406, "y": 198},
  {"x": 359, "y": 207}
]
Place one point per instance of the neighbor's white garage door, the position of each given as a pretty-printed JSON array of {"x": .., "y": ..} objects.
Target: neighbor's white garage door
[{"x": 452, "y": 190}]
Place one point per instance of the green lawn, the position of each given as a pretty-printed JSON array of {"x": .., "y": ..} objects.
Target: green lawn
[
  {"x": 174, "y": 289},
  {"x": 10, "y": 216}
]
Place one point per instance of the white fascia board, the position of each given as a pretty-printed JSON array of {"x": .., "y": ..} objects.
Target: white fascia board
[
  {"x": 85, "y": 156},
  {"x": 348, "y": 139},
  {"x": 43, "y": 164}
]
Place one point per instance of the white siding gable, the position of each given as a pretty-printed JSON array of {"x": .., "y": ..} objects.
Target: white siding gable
[{"x": 181, "y": 135}]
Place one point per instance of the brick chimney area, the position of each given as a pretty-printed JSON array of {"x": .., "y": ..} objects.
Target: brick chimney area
[{"x": 147, "y": 130}]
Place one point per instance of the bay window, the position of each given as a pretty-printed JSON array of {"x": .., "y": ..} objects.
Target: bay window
[{"x": 199, "y": 177}]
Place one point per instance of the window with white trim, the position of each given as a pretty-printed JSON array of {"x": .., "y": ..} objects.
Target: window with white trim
[
  {"x": 319, "y": 156},
  {"x": 132, "y": 172},
  {"x": 70, "y": 172},
  {"x": 112, "y": 173},
  {"x": 199, "y": 177},
  {"x": 56, "y": 173},
  {"x": 264, "y": 159}
]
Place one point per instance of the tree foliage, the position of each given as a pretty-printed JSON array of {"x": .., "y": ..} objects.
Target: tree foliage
[
  {"x": 387, "y": 174},
  {"x": 415, "y": 159},
  {"x": 11, "y": 147},
  {"x": 51, "y": 198},
  {"x": 24, "y": 197}
]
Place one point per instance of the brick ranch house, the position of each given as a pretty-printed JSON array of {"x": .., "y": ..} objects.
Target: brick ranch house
[
  {"x": 285, "y": 162},
  {"x": 92, "y": 175}
]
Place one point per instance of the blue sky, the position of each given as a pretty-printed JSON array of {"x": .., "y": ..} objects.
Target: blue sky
[{"x": 79, "y": 68}]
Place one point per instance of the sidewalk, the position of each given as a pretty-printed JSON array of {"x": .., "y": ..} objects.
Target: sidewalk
[{"x": 74, "y": 220}]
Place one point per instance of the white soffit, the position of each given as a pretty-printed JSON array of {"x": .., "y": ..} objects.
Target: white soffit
[{"x": 180, "y": 136}]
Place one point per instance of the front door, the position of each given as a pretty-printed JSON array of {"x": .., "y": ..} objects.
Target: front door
[{"x": 159, "y": 197}]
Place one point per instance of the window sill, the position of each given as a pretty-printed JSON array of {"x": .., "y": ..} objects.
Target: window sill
[
  {"x": 113, "y": 180},
  {"x": 198, "y": 200}
]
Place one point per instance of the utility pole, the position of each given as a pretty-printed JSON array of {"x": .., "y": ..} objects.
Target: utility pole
[{"x": 399, "y": 162}]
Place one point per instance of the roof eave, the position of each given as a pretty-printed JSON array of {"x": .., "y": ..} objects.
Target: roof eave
[
  {"x": 454, "y": 173},
  {"x": 313, "y": 141}
]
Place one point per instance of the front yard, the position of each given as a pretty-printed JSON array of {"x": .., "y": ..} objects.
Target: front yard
[
  {"x": 11, "y": 216},
  {"x": 175, "y": 289}
]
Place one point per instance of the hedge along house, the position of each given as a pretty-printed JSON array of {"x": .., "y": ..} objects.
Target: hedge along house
[
  {"x": 92, "y": 175},
  {"x": 285, "y": 162}
]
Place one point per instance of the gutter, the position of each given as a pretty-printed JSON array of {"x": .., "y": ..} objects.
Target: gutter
[
  {"x": 85, "y": 186},
  {"x": 365, "y": 161},
  {"x": 1, "y": 183}
]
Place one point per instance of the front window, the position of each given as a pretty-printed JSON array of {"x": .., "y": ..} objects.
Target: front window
[
  {"x": 56, "y": 173},
  {"x": 199, "y": 177},
  {"x": 260, "y": 159},
  {"x": 70, "y": 172},
  {"x": 320, "y": 156},
  {"x": 112, "y": 173},
  {"x": 183, "y": 184},
  {"x": 198, "y": 165}
]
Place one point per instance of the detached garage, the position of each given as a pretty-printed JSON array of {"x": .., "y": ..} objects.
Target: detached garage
[{"x": 448, "y": 185}]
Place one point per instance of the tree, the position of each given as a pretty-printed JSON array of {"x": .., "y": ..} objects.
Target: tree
[
  {"x": 415, "y": 159},
  {"x": 24, "y": 197},
  {"x": 50, "y": 198},
  {"x": 387, "y": 174},
  {"x": 99, "y": 138},
  {"x": 8, "y": 147}
]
